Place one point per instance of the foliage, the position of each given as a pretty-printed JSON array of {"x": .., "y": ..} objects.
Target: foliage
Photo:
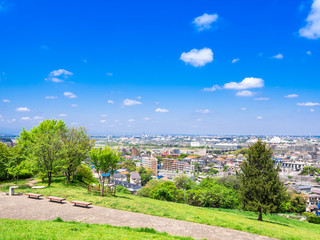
[
  {"x": 145, "y": 174},
  {"x": 105, "y": 160},
  {"x": 261, "y": 189},
  {"x": 317, "y": 179},
  {"x": 183, "y": 155},
  {"x": 84, "y": 174},
  {"x": 183, "y": 182},
  {"x": 122, "y": 189},
  {"x": 129, "y": 164},
  {"x": 314, "y": 219},
  {"x": 167, "y": 191},
  {"x": 145, "y": 191},
  {"x": 310, "y": 170},
  {"x": 76, "y": 146},
  {"x": 232, "y": 182},
  {"x": 44, "y": 146}
]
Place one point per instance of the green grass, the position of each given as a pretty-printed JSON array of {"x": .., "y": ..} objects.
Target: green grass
[
  {"x": 30, "y": 229},
  {"x": 272, "y": 226}
]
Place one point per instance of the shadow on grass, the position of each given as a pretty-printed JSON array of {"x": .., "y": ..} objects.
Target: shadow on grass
[{"x": 268, "y": 221}]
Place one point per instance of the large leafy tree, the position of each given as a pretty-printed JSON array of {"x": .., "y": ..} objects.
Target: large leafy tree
[
  {"x": 106, "y": 161},
  {"x": 44, "y": 145},
  {"x": 76, "y": 147},
  {"x": 261, "y": 189},
  {"x": 4, "y": 159}
]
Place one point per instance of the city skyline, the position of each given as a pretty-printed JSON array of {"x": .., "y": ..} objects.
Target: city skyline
[{"x": 178, "y": 68}]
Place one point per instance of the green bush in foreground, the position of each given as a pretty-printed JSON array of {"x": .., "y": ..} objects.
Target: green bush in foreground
[{"x": 314, "y": 219}]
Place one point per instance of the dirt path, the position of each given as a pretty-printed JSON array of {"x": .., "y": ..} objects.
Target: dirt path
[{"x": 21, "y": 207}]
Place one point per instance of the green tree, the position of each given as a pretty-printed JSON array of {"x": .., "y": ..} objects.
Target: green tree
[
  {"x": 4, "y": 159},
  {"x": 105, "y": 160},
  {"x": 129, "y": 164},
  {"x": 183, "y": 182},
  {"x": 145, "y": 174},
  {"x": 261, "y": 189},
  {"x": 44, "y": 145},
  {"x": 76, "y": 147},
  {"x": 17, "y": 164}
]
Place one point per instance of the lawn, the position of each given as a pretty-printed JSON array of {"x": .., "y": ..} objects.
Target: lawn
[
  {"x": 30, "y": 229},
  {"x": 272, "y": 226}
]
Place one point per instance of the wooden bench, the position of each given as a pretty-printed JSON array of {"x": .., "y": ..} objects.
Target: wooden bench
[
  {"x": 86, "y": 204},
  {"x": 56, "y": 199},
  {"x": 33, "y": 195}
]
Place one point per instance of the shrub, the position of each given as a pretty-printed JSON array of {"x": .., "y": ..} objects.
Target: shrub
[
  {"x": 309, "y": 214},
  {"x": 84, "y": 174},
  {"x": 122, "y": 189},
  {"x": 314, "y": 219},
  {"x": 145, "y": 191}
]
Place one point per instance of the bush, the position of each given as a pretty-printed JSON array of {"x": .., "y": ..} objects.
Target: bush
[
  {"x": 122, "y": 189},
  {"x": 145, "y": 191},
  {"x": 84, "y": 174},
  {"x": 309, "y": 214},
  {"x": 314, "y": 219}
]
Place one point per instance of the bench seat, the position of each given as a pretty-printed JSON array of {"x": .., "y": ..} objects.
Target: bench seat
[
  {"x": 56, "y": 199},
  {"x": 34, "y": 195},
  {"x": 86, "y": 204}
]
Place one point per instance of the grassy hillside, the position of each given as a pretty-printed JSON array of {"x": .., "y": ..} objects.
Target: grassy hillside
[
  {"x": 273, "y": 225},
  {"x": 29, "y": 229}
]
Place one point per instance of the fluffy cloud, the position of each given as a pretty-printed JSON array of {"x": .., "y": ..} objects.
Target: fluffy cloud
[
  {"x": 203, "y": 111},
  {"x": 63, "y": 115},
  {"x": 235, "y": 60},
  {"x": 103, "y": 121},
  {"x": 262, "y": 99},
  {"x": 50, "y": 97},
  {"x": 197, "y": 58},
  {"x": 292, "y": 96},
  {"x": 58, "y": 75},
  {"x": 308, "y": 52},
  {"x": 259, "y": 117},
  {"x": 243, "y": 109},
  {"x": 6, "y": 100},
  {"x": 22, "y": 109},
  {"x": 110, "y": 102},
  {"x": 162, "y": 110},
  {"x": 245, "y": 93},
  {"x": 131, "y": 120},
  {"x": 278, "y": 56},
  {"x": 25, "y": 118},
  {"x": 130, "y": 102},
  {"x": 147, "y": 118},
  {"x": 245, "y": 84},
  {"x": 69, "y": 95},
  {"x": 311, "y": 110},
  {"x": 312, "y": 29},
  {"x": 204, "y": 22},
  {"x": 211, "y": 89},
  {"x": 308, "y": 104},
  {"x": 37, "y": 118},
  {"x": 74, "y": 105}
]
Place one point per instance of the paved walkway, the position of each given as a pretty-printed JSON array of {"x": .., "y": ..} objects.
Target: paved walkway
[{"x": 21, "y": 207}]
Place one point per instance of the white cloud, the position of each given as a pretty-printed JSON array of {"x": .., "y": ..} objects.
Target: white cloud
[
  {"x": 262, "y": 99},
  {"x": 312, "y": 29},
  {"x": 259, "y": 117},
  {"x": 311, "y": 110},
  {"x": 6, "y": 100},
  {"x": 51, "y": 97},
  {"x": 56, "y": 75},
  {"x": 308, "y": 104},
  {"x": 235, "y": 60},
  {"x": 110, "y": 102},
  {"x": 292, "y": 96},
  {"x": 12, "y": 120},
  {"x": 203, "y": 111},
  {"x": 147, "y": 118},
  {"x": 74, "y": 105},
  {"x": 69, "y": 95},
  {"x": 37, "y": 117},
  {"x": 245, "y": 93},
  {"x": 278, "y": 56},
  {"x": 104, "y": 115},
  {"x": 205, "y": 21},
  {"x": 25, "y": 118},
  {"x": 246, "y": 83},
  {"x": 103, "y": 121},
  {"x": 162, "y": 110},
  {"x": 308, "y": 52},
  {"x": 199, "y": 120},
  {"x": 243, "y": 109},
  {"x": 130, "y": 102},
  {"x": 211, "y": 89},
  {"x": 63, "y": 115},
  {"x": 139, "y": 97},
  {"x": 197, "y": 58},
  {"x": 131, "y": 120},
  {"x": 109, "y": 74},
  {"x": 22, "y": 109}
]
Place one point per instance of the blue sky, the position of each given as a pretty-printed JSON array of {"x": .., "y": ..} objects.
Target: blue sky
[{"x": 199, "y": 67}]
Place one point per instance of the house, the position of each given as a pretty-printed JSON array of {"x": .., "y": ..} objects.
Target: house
[
  {"x": 120, "y": 177},
  {"x": 135, "y": 178}
]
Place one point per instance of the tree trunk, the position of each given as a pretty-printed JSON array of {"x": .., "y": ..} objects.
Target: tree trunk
[
  {"x": 260, "y": 216},
  {"x": 102, "y": 188},
  {"x": 49, "y": 179},
  {"x": 68, "y": 178}
]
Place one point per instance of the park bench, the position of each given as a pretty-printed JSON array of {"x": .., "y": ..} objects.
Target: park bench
[
  {"x": 55, "y": 199},
  {"x": 86, "y": 204},
  {"x": 34, "y": 195}
]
